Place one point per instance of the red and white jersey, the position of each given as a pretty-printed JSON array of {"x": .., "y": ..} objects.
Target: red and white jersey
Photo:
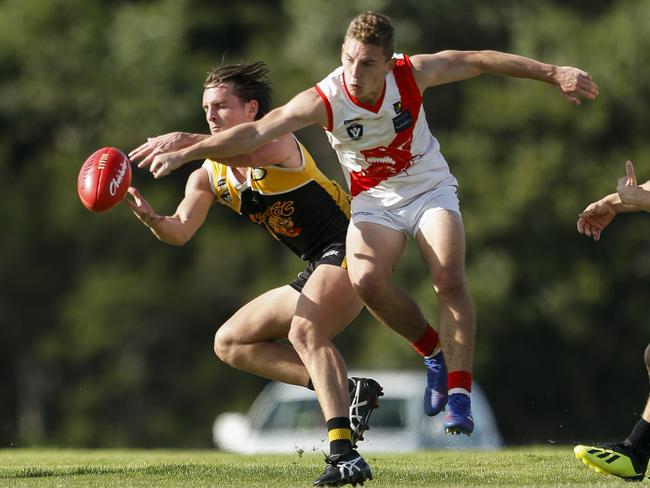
[{"x": 387, "y": 151}]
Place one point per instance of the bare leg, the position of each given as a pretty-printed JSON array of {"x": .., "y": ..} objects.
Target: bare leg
[
  {"x": 326, "y": 306},
  {"x": 373, "y": 252},
  {"x": 247, "y": 340},
  {"x": 441, "y": 241}
]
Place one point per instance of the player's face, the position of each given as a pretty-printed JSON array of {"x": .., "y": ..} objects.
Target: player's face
[
  {"x": 223, "y": 109},
  {"x": 365, "y": 68}
]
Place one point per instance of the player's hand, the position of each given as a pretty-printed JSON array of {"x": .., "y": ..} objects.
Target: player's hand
[
  {"x": 141, "y": 208},
  {"x": 575, "y": 84},
  {"x": 627, "y": 186},
  {"x": 173, "y": 141},
  {"x": 595, "y": 218},
  {"x": 163, "y": 164}
]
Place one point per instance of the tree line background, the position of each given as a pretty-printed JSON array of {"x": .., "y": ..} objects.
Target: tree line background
[{"x": 106, "y": 333}]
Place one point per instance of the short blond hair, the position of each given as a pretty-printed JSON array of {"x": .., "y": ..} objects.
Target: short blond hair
[{"x": 375, "y": 29}]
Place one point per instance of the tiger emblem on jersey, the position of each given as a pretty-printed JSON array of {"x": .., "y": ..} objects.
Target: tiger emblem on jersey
[{"x": 277, "y": 219}]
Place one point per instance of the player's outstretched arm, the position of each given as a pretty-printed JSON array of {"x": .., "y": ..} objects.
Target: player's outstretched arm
[
  {"x": 172, "y": 141},
  {"x": 304, "y": 109},
  {"x": 179, "y": 228},
  {"x": 629, "y": 197},
  {"x": 448, "y": 66}
]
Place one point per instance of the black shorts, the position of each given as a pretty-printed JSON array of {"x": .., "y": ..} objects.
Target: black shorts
[{"x": 333, "y": 254}]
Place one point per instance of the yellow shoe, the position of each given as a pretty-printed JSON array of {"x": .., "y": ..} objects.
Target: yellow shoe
[{"x": 618, "y": 459}]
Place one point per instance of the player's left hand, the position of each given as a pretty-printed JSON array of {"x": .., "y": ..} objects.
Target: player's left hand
[
  {"x": 593, "y": 219},
  {"x": 575, "y": 84},
  {"x": 141, "y": 207},
  {"x": 627, "y": 186},
  {"x": 163, "y": 164}
]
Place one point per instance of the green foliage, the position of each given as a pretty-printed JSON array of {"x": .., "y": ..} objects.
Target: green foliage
[{"x": 107, "y": 333}]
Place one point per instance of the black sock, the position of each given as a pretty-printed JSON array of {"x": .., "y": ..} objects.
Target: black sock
[
  {"x": 639, "y": 438},
  {"x": 339, "y": 435}
]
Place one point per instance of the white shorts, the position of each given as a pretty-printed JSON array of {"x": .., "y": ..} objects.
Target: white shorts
[{"x": 410, "y": 217}]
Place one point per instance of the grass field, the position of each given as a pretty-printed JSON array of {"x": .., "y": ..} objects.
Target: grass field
[{"x": 521, "y": 467}]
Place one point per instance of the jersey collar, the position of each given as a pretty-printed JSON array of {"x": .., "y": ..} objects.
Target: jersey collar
[{"x": 372, "y": 108}]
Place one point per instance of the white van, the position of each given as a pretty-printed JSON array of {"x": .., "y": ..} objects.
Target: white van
[{"x": 286, "y": 418}]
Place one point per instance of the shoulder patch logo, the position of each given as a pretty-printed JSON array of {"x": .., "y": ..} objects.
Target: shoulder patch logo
[
  {"x": 258, "y": 174},
  {"x": 355, "y": 131},
  {"x": 402, "y": 121}
]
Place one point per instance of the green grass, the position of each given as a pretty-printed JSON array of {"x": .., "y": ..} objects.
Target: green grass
[{"x": 520, "y": 467}]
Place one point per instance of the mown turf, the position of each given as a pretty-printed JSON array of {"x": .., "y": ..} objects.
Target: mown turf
[{"x": 520, "y": 467}]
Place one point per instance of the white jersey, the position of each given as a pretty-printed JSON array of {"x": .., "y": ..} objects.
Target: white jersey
[{"x": 387, "y": 151}]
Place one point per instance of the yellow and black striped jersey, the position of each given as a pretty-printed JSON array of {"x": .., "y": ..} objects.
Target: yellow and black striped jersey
[{"x": 300, "y": 207}]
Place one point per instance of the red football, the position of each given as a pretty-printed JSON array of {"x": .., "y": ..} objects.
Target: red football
[{"x": 104, "y": 179}]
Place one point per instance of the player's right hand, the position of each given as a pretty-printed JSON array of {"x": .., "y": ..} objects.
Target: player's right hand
[
  {"x": 595, "y": 218},
  {"x": 165, "y": 143},
  {"x": 575, "y": 84},
  {"x": 163, "y": 164}
]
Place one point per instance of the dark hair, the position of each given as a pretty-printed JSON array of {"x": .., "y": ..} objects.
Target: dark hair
[
  {"x": 375, "y": 29},
  {"x": 250, "y": 82}
]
